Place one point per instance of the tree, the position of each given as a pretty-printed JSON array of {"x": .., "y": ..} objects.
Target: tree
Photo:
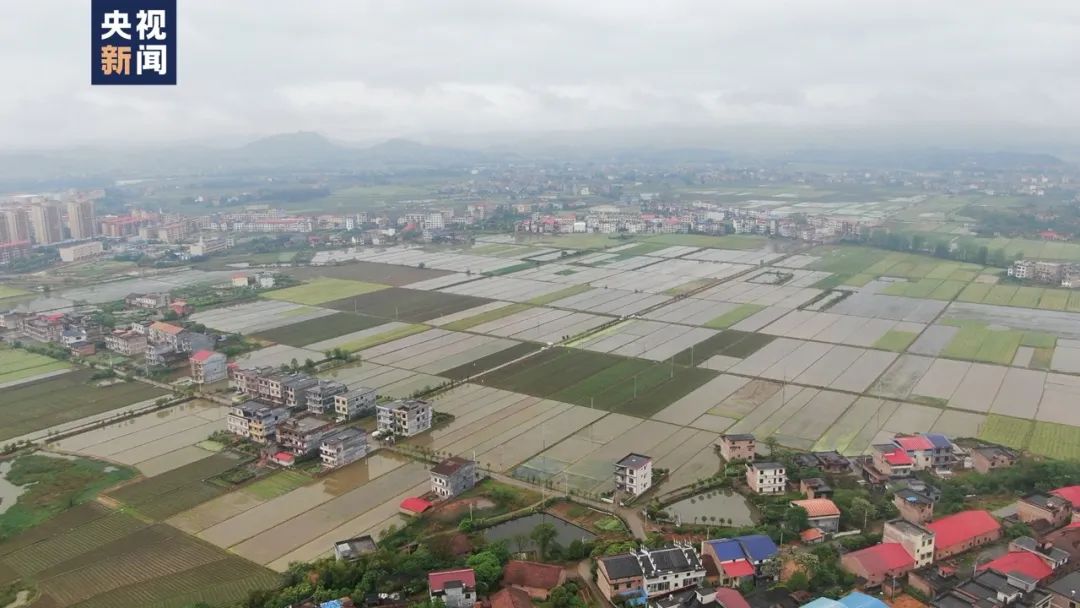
[
  {"x": 488, "y": 570},
  {"x": 796, "y": 519},
  {"x": 798, "y": 581},
  {"x": 543, "y": 534},
  {"x": 862, "y": 510}
]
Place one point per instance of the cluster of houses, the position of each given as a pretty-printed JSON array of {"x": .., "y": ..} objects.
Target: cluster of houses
[
  {"x": 918, "y": 549},
  {"x": 698, "y": 217},
  {"x": 306, "y": 416},
  {"x": 1053, "y": 273}
]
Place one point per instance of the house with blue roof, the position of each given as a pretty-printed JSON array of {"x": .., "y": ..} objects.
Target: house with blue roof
[
  {"x": 852, "y": 600},
  {"x": 733, "y": 561}
]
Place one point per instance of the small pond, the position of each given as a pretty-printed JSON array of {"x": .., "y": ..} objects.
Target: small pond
[
  {"x": 713, "y": 507},
  {"x": 516, "y": 531}
]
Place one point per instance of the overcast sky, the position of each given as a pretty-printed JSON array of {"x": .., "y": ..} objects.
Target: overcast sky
[{"x": 366, "y": 70}]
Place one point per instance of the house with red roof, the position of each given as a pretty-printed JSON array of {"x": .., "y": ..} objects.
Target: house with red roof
[
  {"x": 1071, "y": 494},
  {"x": 963, "y": 531},
  {"x": 414, "y": 506},
  {"x": 891, "y": 460},
  {"x": 1024, "y": 563},
  {"x": 534, "y": 578},
  {"x": 877, "y": 563},
  {"x": 822, "y": 513},
  {"x": 456, "y": 588},
  {"x": 207, "y": 367},
  {"x": 511, "y": 597}
]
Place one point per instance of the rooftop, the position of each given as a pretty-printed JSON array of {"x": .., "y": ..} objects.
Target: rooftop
[
  {"x": 437, "y": 581},
  {"x": 913, "y": 497},
  {"x": 621, "y": 566},
  {"x": 415, "y": 504},
  {"x": 755, "y": 547},
  {"x": 913, "y": 443},
  {"x": 203, "y": 355},
  {"x": 1068, "y": 585},
  {"x": 766, "y": 466},
  {"x": 634, "y": 461},
  {"x": 818, "y": 507},
  {"x": 532, "y": 574},
  {"x": 167, "y": 328},
  {"x": 893, "y": 455},
  {"x": 738, "y": 437},
  {"x": 961, "y": 527},
  {"x": 450, "y": 466},
  {"x": 882, "y": 558},
  {"x": 1022, "y": 562},
  {"x": 1069, "y": 493}
]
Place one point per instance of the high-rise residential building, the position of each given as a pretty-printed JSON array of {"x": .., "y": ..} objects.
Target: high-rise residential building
[
  {"x": 81, "y": 219},
  {"x": 17, "y": 223},
  {"x": 48, "y": 228}
]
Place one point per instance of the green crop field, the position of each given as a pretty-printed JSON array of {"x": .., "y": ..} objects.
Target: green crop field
[
  {"x": 41, "y": 404},
  {"x": 1007, "y": 431},
  {"x": 1050, "y": 439},
  {"x": 317, "y": 330},
  {"x": 937, "y": 289},
  {"x": 410, "y": 305},
  {"x": 1055, "y": 440},
  {"x": 734, "y": 315},
  {"x": 7, "y": 291},
  {"x": 91, "y": 557},
  {"x": 19, "y": 364},
  {"x": 277, "y": 484},
  {"x": 165, "y": 495},
  {"x": 896, "y": 341},
  {"x": 382, "y": 338},
  {"x": 323, "y": 289},
  {"x": 631, "y": 386},
  {"x": 731, "y": 343},
  {"x": 490, "y": 361},
  {"x": 977, "y": 342}
]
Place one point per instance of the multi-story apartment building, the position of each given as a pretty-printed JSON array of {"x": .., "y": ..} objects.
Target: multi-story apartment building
[
  {"x": 355, "y": 403},
  {"x": 45, "y": 218},
  {"x": 255, "y": 421},
  {"x": 737, "y": 447},
  {"x": 43, "y": 328},
  {"x": 766, "y": 477},
  {"x": 81, "y": 251},
  {"x": 126, "y": 342},
  {"x": 319, "y": 397},
  {"x": 891, "y": 460},
  {"x": 81, "y": 220},
  {"x": 633, "y": 474},
  {"x": 18, "y": 225},
  {"x": 649, "y": 572},
  {"x": 208, "y": 367},
  {"x": 404, "y": 418},
  {"x": 914, "y": 506},
  {"x": 343, "y": 447},
  {"x": 453, "y": 476},
  {"x": 14, "y": 250},
  {"x": 915, "y": 539},
  {"x": 304, "y": 434},
  {"x": 928, "y": 451},
  {"x": 157, "y": 300}
]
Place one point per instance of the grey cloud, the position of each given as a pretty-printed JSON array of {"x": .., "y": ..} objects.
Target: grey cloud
[{"x": 368, "y": 69}]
